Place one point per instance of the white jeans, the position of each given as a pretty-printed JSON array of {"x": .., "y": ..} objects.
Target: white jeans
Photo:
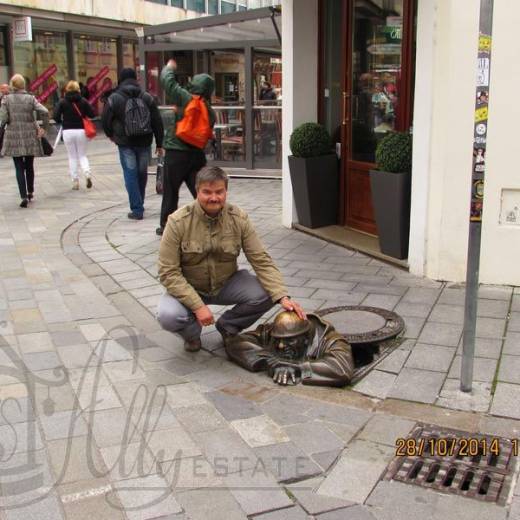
[{"x": 76, "y": 142}]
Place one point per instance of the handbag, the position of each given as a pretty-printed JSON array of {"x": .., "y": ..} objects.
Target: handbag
[
  {"x": 88, "y": 125},
  {"x": 46, "y": 146}
]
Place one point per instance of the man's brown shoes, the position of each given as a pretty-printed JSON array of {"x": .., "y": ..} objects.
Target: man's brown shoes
[{"x": 192, "y": 345}]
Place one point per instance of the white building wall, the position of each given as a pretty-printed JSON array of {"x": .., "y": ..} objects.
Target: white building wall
[
  {"x": 132, "y": 11},
  {"x": 501, "y": 243},
  {"x": 444, "y": 112},
  {"x": 300, "y": 82}
]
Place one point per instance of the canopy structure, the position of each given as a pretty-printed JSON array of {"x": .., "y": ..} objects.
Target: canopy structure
[{"x": 242, "y": 51}]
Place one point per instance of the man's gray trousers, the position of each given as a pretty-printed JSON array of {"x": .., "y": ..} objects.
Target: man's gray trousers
[{"x": 242, "y": 290}]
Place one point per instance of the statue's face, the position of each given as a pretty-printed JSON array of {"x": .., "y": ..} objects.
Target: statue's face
[{"x": 294, "y": 348}]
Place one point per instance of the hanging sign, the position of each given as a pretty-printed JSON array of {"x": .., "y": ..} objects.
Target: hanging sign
[{"x": 22, "y": 29}]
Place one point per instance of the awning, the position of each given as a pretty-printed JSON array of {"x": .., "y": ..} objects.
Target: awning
[{"x": 255, "y": 26}]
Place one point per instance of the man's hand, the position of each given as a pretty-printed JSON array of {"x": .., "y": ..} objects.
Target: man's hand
[
  {"x": 159, "y": 152},
  {"x": 291, "y": 305},
  {"x": 172, "y": 64},
  {"x": 40, "y": 132},
  {"x": 286, "y": 376},
  {"x": 204, "y": 316}
]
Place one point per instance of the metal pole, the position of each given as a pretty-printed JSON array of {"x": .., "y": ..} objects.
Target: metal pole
[{"x": 477, "y": 192}]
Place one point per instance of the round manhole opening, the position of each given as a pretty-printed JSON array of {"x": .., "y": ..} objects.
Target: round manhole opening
[{"x": 359, "y": 324}]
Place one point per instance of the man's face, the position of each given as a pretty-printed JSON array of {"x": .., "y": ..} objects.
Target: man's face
[
  {"x": 293, "y": 348},
  {"x": 212, "y": 196},
  {"x": 4, "y": 89}
]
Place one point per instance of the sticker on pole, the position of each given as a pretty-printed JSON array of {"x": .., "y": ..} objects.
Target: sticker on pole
[
  {"x": 482, "y": 72},
  {"x": 484, "y": 43}
]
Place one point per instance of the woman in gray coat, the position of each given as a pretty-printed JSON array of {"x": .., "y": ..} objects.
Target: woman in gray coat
[{"x": 22, "y": 134}]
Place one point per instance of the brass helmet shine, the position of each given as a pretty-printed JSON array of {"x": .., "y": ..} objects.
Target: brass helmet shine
[{"x": 287, "y": 324}]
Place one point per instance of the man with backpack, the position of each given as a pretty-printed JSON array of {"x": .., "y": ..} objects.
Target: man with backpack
[
  {"x": 131, "y": 119},
  {"x": 189, "y": 127}
]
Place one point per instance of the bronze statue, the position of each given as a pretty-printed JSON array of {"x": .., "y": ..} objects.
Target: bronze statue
[{"x": 293, "y": 350}]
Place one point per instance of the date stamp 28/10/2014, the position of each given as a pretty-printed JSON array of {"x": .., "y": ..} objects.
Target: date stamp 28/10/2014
[{"x": 450, "y": 446}]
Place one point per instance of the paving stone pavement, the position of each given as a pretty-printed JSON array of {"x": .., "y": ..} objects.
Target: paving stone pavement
[{"x": 103, "y": 413}]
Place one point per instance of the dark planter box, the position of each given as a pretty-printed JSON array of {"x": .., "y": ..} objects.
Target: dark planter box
[
  {"x": 315, "y": 188},
  {"x": 391, "y": 199}
]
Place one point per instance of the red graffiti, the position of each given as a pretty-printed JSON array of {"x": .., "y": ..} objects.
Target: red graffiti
[
  {"x": 94, "y": 99},
  {"x": 47, "y": 92},
  {"x": 43, "y": 77},
  {"x": 103, "y": 72}
]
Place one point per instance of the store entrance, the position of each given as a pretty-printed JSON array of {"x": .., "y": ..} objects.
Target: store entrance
[{"x": 372, "y": 88}]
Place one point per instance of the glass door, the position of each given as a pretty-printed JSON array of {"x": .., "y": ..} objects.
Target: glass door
[{"x": 377, "y": 98}]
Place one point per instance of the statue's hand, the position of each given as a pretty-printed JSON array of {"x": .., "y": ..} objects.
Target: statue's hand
[
  {"x": 275, "y": 362},
  {"x": 286, "y": 375}
]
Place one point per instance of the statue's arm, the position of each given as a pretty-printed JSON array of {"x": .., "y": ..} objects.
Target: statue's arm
[
  {"x": 334, "y": 368},
  {"x": 247, "y": 351}
]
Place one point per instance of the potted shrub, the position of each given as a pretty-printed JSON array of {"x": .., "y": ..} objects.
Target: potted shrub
[
  {"x": 314, "y": 175},
  {"x": 391, "y": 188}
]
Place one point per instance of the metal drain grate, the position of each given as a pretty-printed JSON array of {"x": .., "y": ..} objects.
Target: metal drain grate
[{"x": 474, "y": 466}]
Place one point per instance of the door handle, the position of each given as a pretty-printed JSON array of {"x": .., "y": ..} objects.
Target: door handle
[{"x": 346, "y": 97}]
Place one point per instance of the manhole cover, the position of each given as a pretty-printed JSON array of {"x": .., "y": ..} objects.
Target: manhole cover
[
  {"x": 452, "y": 461},
  {"x": 360, "y": 324}
]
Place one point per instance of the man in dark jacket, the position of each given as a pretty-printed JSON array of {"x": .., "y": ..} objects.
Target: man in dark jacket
[
  {"x": 182, "y": 160},
  {"x": 119, "y": 119}
]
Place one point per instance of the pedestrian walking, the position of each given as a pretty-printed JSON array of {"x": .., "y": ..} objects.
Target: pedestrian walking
[
  {"x": 22, "y": 136},
  {"x": 69, "y": 112},
  {"x": 4, "y": 90},
  {"x": 182, "y": 160},
  {"x": 131, "y": 119}
]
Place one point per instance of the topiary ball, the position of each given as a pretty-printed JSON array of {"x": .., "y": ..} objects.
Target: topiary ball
[
  {"x": 310, "y": 140},
  {"x": 394, "y": 153}
]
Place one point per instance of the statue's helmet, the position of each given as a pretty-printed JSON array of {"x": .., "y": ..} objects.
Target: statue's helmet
[{"x": 288, "y": 324}]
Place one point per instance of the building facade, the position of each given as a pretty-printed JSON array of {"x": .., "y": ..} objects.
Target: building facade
[
  {"x": 410, "y": 65},
  {"x": 87, "y": 40}
]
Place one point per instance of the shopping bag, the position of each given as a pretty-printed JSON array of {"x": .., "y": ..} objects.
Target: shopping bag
[{"x": 159, "y": 176}]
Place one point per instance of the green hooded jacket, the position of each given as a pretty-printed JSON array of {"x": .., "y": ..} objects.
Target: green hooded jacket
[{"x": 202, "y": 85}]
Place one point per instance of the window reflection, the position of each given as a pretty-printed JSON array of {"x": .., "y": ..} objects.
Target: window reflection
[{"x": 376, "y": 70}]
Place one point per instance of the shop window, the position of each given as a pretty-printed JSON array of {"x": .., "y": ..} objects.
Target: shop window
[
  {"x": 96, "y": 67},
  {"x": 228, "y": 68},
  {"x": 43, "y": 63},
  {"x": 212, "y": 6},
  {"x": 152, "y": 73},
  {"x": 130, "y": 55},
  {"x": 196, "y": 5},
  {"x": 178, "y": 3},
  {"x": 227, "y": 7},
  {"x": 164, "y": 2},
  {"x": 4, "y": 72}
]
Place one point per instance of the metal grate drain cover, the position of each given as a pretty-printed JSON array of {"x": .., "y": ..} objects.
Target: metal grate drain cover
[{"x": 452, "y": 461}]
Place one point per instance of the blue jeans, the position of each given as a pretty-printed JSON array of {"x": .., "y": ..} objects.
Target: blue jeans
[{"x": 135, "y": 160}]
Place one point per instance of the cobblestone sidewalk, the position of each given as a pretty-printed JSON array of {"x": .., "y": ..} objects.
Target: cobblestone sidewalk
[{"x": 104, "y": 414}]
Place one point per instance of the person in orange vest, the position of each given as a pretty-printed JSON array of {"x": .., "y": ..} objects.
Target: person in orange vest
[{"x": 182, "y": 160}]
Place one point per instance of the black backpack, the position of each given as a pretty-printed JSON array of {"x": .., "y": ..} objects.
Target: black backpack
[{"x": 137, "y": 118}]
